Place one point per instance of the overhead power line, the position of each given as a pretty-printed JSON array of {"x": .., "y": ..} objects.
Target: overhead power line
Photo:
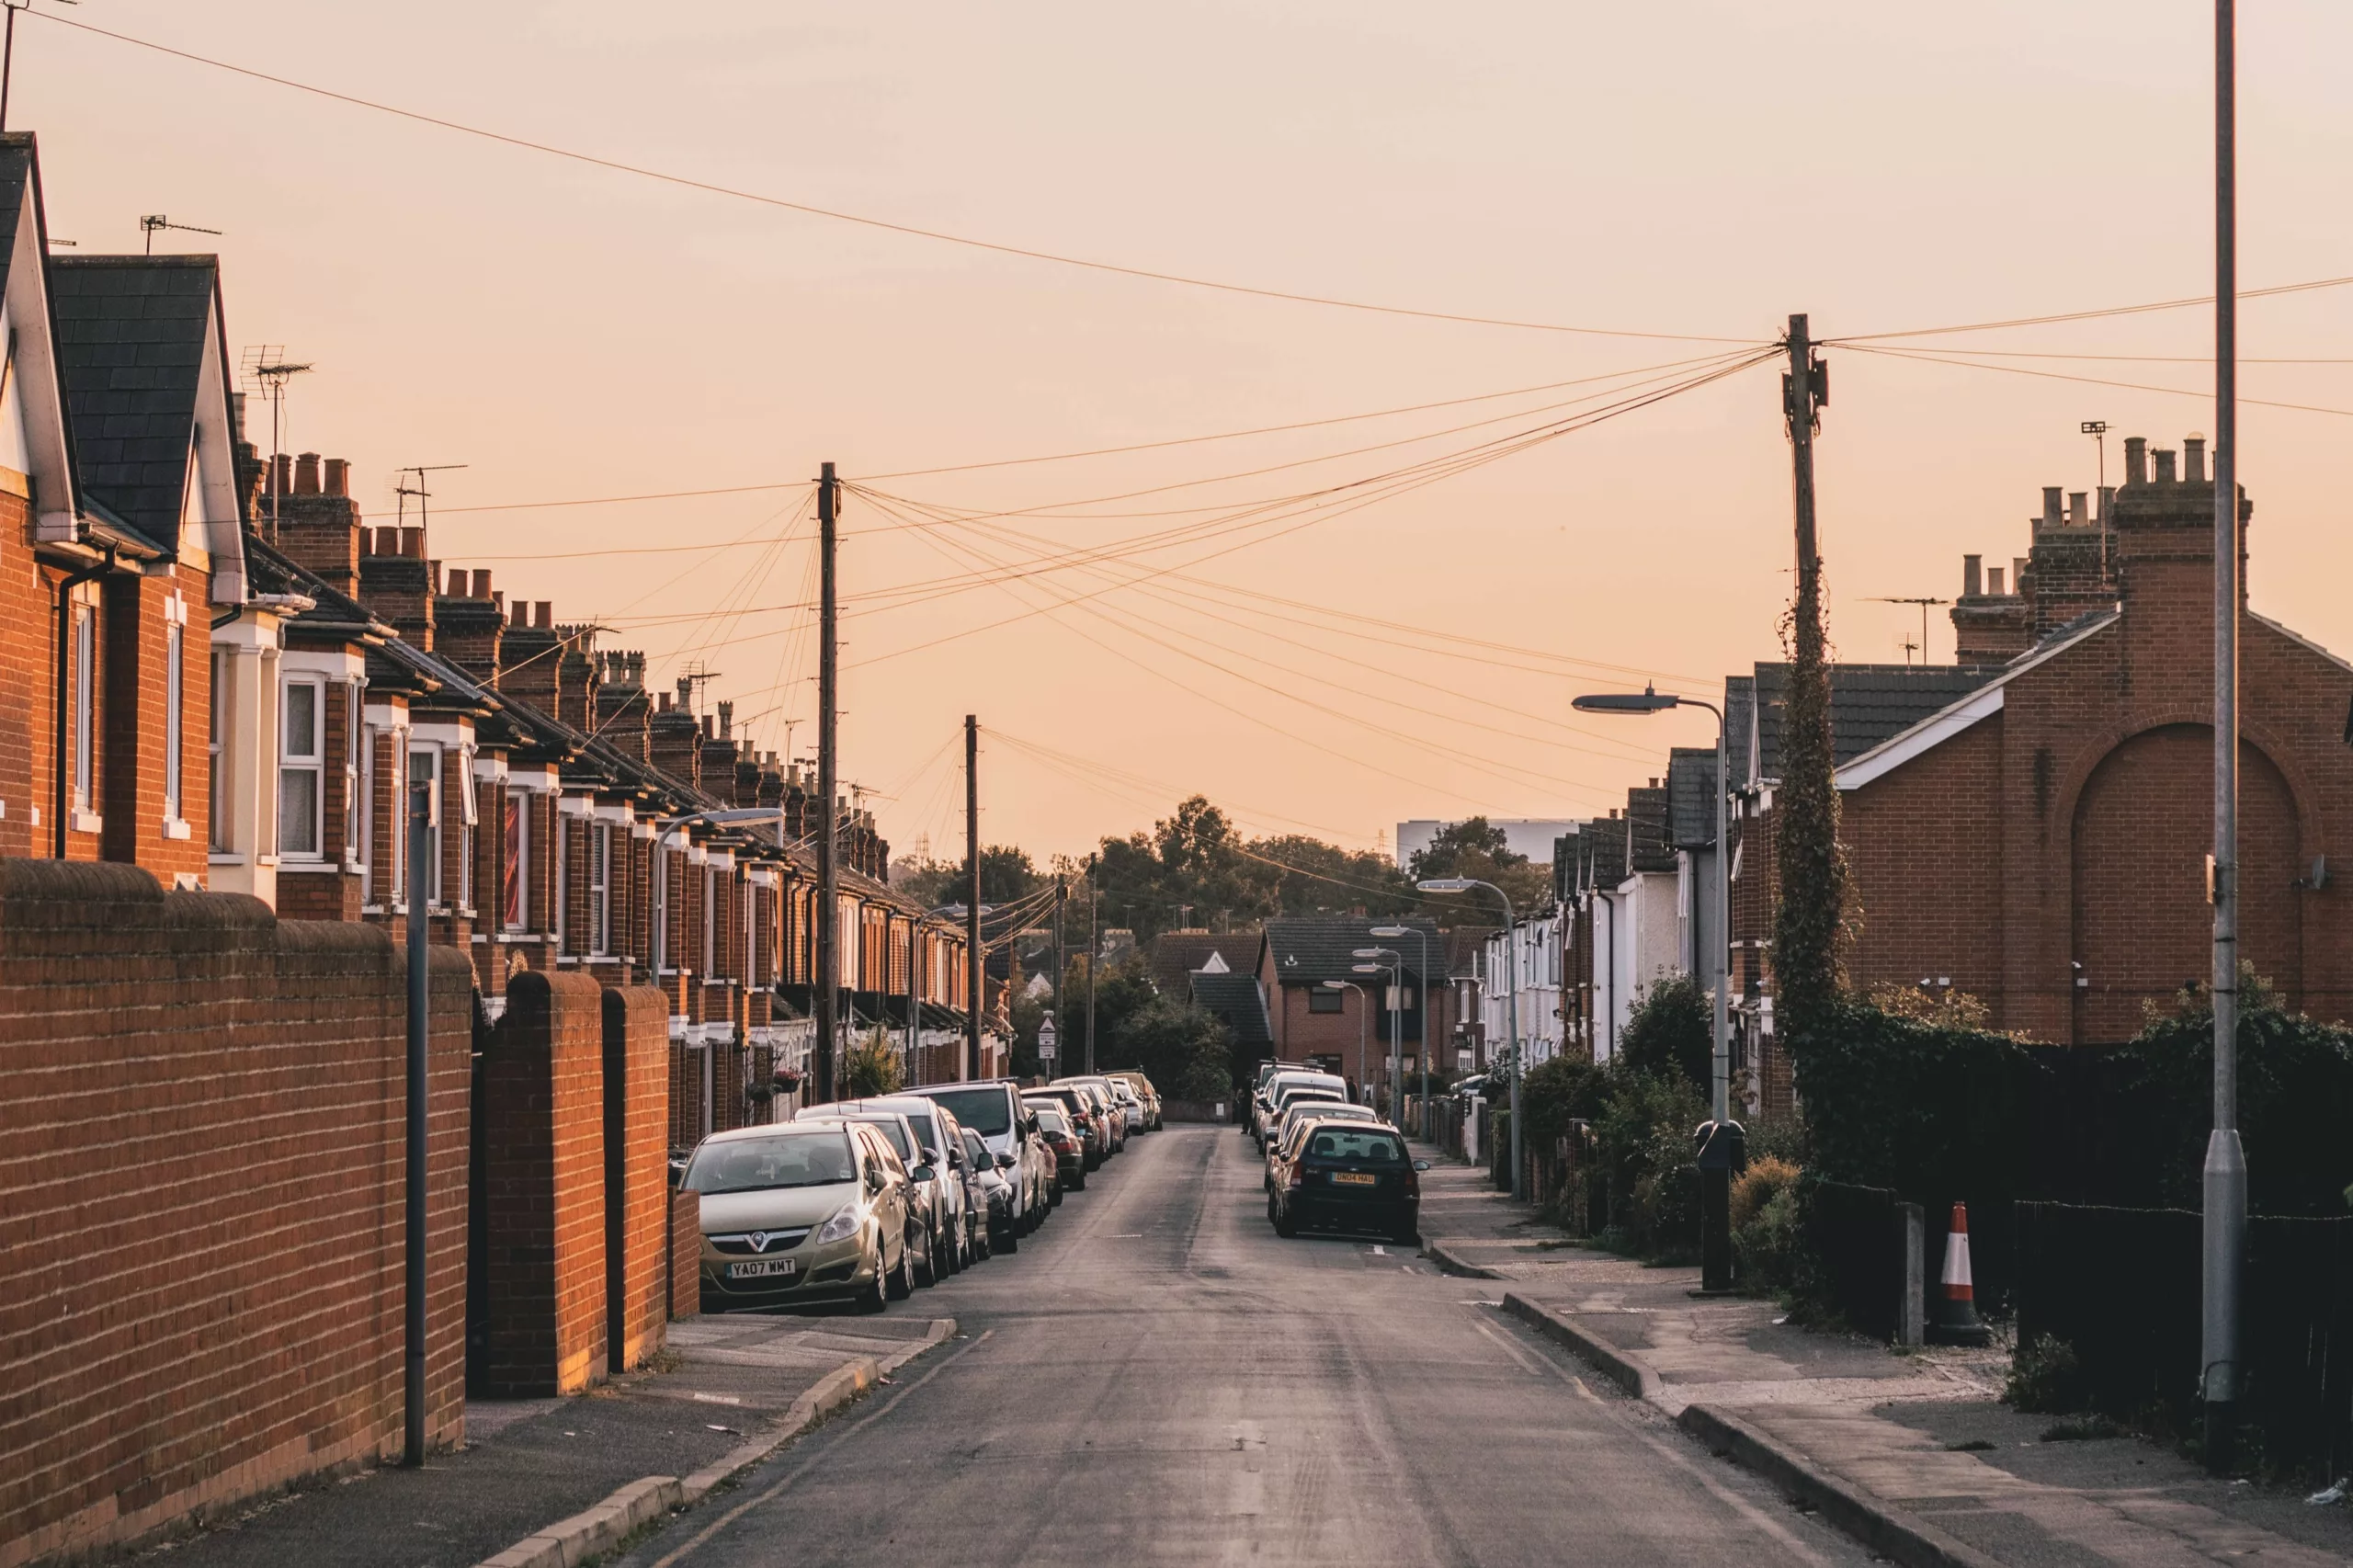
[
  {"x": 836, "y": 215},
  {"x": 1853, "y": 339},
  {"x": 1931, "y": 357}
]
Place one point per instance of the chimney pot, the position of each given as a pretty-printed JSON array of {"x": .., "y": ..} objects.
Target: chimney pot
[
  {"x": 543, "y": 614},
  {"x": 2193, "y": 460},
  {"x": 664, "y": 703},
  {"x": 336, "y": 476},
  {"x": 2164, "y": 457},
  {"x": 2078, "y": 503},
  {"x": 482, "y": 583},
  {"x": 498, "y": 603},
  {"x": 519, "y": 615},
  {"x": 1972, "y": 576},
  {"x": 281, "y": 467},
  {"x": 2050, "y": 505},
  {"x": 388, "y": 541},
  {"x": 413, "y": 543},
  {"x": 2136, "y": 459},
  {"x": 726, "y": 720},
  {"x": 433, "y": 575},
  {"x": 1993, "y": 580},
  {"x": 2018, "y": 573},
  {"x": 306, "y": 474},
  {"x": 707, "y": 724}
]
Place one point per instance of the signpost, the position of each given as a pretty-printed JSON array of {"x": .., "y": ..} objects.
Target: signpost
[{"x": 1046, "y": 1043}]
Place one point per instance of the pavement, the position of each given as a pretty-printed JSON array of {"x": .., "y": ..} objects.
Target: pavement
[
  {"x": 724, "y": 1383},
  {"x": 1915, "y": 1445}
]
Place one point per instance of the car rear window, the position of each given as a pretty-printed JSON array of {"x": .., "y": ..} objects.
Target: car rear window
[
  {"x": 987, "y": 1111},
  {"x": 1053, "y": 1121},
  {"x": 1371, "y": 1148},
  {"x": 895, "y": 1131}
]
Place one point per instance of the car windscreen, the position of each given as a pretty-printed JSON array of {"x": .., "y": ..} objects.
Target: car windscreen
[
  {"x": 919, "y": 1116},
  {"x": 975, "y": 1151},
  {"x": 783, "y": 1159},
  {"x": 1367, "y": 1148},
  {"x": 987, "y": 1111},
  {"x": 1053, "y": 1121},
  {"x": 1286, "y": 1097},
  {"x": 895, "y": 1131}
]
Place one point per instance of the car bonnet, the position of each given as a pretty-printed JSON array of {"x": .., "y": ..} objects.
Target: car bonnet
[{"x": 773, "y": 1209}]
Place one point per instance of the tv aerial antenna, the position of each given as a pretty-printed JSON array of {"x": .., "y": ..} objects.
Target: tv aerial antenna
[
  {"x": 1925, "y": 604},
  {"x": 404, "y": 490},
  {"x": 152, "y": 223},
  {"x": 266, "y": 367}
]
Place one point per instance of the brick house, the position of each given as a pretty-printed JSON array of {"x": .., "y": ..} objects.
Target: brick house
[
  {"x": 118, "y": 544},
  {"x": 1347, "y": 1029},
  {"x": 2031, "y": 828}
]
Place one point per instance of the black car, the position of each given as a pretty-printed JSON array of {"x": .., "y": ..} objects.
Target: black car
[{"x": 1347, "y": 1177}]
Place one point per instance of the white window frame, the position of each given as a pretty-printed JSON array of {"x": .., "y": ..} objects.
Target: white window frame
[
  {"x": 312, "y": 763},
  {"x": 431, "y": 752},
  {"x": 661, "y": 888},
  {"x": 600, "y": 888},
  {"x": 710, "y": 923},
  {"x": 560, "y": 915},
  {"x": 216, "y": 837},
  {"x": 355, "y": 733},
  {"x": 174, "y": 695},
  {"x": 516, "y": 861},
  {"x": 86, "y": 674}
]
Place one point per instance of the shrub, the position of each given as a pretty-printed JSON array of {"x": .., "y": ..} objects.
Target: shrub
[
  {"x": 1671, "y": 1030},
  {"x": 2044, "y": 1376},
  {"x": 1755, "y": 1187},
  {"x": 873, "y": 1067},
  {"x": 1769, "y": 1248},
  {"x": 1643, "y": 1134}
]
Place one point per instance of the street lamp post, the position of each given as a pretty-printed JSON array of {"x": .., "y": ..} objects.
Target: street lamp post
[
  {"x": 1390, "y": 934},
  {"x": 1511, "y": 1008},
  {"x": 1363, "y": 1018},
  {"x": 1715, "y": 1162},
  {"x": 1389, "y": 961}
]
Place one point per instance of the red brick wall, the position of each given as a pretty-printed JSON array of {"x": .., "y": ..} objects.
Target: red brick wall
[
  {"x": 201, "y": 1240},
  {"x": 27, "y": 678},
  {"x": 685, "y": 1255},
  {"x": 544, "y": 1164},
  {"x": 637, "y": 1178},
  {"x": 1936, "y": 823}
]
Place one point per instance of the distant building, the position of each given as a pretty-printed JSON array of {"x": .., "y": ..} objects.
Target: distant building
[{"x": 1531, "y": 836}]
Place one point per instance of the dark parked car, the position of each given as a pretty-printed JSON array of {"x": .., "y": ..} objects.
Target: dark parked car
[
  {"x": 1079, "y": 1109},
  {"x": 1347, "y": 1177},
  {"x": 1070, "y": 1149}
]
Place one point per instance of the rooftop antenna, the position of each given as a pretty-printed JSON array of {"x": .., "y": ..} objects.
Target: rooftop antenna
[
  {"x": 150, "y": 224},
  {"x": 268, "y": 367},
  {"x": 404, "y": 490},
  {"x": 1923, "y": 643},
  {"x": 8, "y": 52},
  {"x": 691, "y": 679},
  {"x": 2097, "y": 430}
]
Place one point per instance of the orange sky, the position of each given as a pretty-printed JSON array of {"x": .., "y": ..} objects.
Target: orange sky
[{"x": 1696, "y": 168}]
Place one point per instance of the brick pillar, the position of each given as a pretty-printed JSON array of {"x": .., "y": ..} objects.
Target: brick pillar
[
  {"x": 637, "y": 1145},
  {"x": 685, "y": 1255},
  {"x": 544, "y": 1152}
]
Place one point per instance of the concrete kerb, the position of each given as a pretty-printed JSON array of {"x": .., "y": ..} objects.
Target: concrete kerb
[
  {"x": 1628, "y": 1370},
  {"x": 567, "y": 1543},
  {"x": 1893, "y": 1532},
  {"x": 1451, "y": 1262}
]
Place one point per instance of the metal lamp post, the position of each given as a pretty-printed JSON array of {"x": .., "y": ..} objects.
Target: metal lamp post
[
  {"x": 1389, "y": 961},
  {"x": 1363, "y": 1018},
  {"x": 1715, "y": 1240},
  {"x": 1511, "y": 954},
  {"x": 1390, "y": 934}
]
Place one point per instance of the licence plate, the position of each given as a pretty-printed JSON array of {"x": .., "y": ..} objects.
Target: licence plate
[
  {"x": 762, "y": 1267},
  {"x": 1355, "y": 1178}
]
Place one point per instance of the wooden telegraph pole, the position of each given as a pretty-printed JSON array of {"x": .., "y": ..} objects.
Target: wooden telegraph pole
[
  {"x": 976, "y": 962},
  {"x": 823, "y": 990}
]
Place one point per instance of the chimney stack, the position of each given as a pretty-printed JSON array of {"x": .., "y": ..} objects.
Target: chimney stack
[
  {"x": 1972, "y": 576},
  {"x": 306, "y": 474},
  {"x": 2136, "y": 459},
  {"x": 336, "y": 477},
  {"x": 2193, "y": 458}
]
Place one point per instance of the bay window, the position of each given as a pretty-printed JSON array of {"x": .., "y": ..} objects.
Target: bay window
[{"x": 301, "y": 766}]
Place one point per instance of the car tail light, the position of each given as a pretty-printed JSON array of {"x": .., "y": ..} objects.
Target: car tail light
[
  {"x": 1413, "y": 1182},
  {"x": 1297, "y": 1176}
]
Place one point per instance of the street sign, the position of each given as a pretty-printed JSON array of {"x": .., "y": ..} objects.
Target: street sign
[{"x": 1046, "y": 1037}]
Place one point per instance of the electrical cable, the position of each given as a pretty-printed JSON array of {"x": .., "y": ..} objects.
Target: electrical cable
[
  {"x": 1929, "y": 358},
  {"x": 1855, "y": 338},
  {"x": 734, "y": 193}
]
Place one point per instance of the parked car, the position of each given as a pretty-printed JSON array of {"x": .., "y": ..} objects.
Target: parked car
[
  {"x": 992, "y": 1195},
  {"x": 1070, "y": 1155},
  {"x": 1144, "y": 1092},
  {"x": 1106, "y": 1103},
  {"x": 975, "y": 1242},
  {"x": 931, "y": 1200},
  {"x": 1130, "y": 1104},
  {"x": 1086, "y": 1118},
  {"x": 1247, "y": 1115},
  {"x": 993, "y": 1108},
  {"x": 930, "y": 1118},
  {"x": 1303, "y": 1114},
  {"x": 805, "y": 1212},
  {"x": 1284, "y": 1087},
  {"x": 1347, "y": 1177}
]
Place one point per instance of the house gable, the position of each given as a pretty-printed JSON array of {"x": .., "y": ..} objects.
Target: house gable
[{"x": 33, "y": 405}]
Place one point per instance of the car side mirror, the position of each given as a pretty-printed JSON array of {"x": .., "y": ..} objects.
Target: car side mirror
[
  {"x": 925, "y": 1173},
  {"x": 1005, "y": 1162},
  {"x": 1421, "y": 1165},
  {"x": 874, "y": 1179}
]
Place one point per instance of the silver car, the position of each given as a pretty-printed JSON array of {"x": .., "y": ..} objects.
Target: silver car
[
  {"x": 993, "y": 1108},
  {"x": 801, "y": 1215},
  {"x": 929, "y": 1196},
  {"x": 930, "y": 1121}
]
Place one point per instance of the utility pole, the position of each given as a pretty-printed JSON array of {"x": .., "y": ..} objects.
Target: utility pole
[
  {"x": 1801, "y": 390},
  {"x": 420, "y": 804},
  {"x": 825, "y": 993},
  {"x": 2225, "y": 1172},
  {"x": 976, "y": 964},
  {"x": 1094, "y": 942},
  {"x": 1062, "y": 959}
]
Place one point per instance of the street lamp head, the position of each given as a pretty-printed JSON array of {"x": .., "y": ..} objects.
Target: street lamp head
[
  {"x": 1372, "y": 953},
  {"x": 1393, "y": 931},
  {"x": 1646, "y": 701},
  {"x": 1446, "y": 884},
  {"x": 1336, "y": 985},
  {"x": 1364, "y": 969}
]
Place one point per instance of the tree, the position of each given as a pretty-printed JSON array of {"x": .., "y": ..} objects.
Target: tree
[
  {"x": 1191, "y": 869},
  {"x": 1315, "y": 877},
  {"x": 1477, "y": 849},
  {"x": 1006, "y": 874},
  {"x": 1672, "y": 1031}
]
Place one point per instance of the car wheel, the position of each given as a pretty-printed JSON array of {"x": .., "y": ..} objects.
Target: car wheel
[
  {"x": 1056, "y": 1201},
  {"x": 983, "y": 1244},
  {"x": 1078, "y": 1182},
  {"x": 870, "y": 1300},
  {"x": 955, "y": 1252},
  {"x": 903, "y": 1278},
  {"x": 923, "y": 1265},
  {"x": 1284, "y": 1225},
  {"x": 1010, "y": 1241},
  {"x": 1270, "y": 1206}
]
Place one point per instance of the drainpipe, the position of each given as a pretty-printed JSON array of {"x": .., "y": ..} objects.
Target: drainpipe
[
  {"x": 1606, "y": 1027},
  {"x": 64, "y": 663}
]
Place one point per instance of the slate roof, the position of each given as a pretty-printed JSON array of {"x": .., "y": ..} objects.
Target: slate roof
[
  {"x": 1740, "y": 719},
  {"x": 1869, "y": 704},
  {"x": 1311, "y": 949},
  {"x": 1177, "y": 954},
  {"x": 131, "y": 333},
  {"x": 1602, "y": 847},
  {"x": 1236, "y": 1001},
  {"x": 1646, "y": 823},
  {"x": 1690, "y": 797}
]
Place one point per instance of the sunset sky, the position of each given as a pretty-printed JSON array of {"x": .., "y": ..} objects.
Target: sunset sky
[{"x": 1695, "y": 171}]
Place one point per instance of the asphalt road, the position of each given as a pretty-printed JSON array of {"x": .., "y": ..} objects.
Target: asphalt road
[{"x": 1156, "y": 1376}]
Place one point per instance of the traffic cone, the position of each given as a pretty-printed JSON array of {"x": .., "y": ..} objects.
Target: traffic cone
[{"x": 1955, "y": 1321}]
